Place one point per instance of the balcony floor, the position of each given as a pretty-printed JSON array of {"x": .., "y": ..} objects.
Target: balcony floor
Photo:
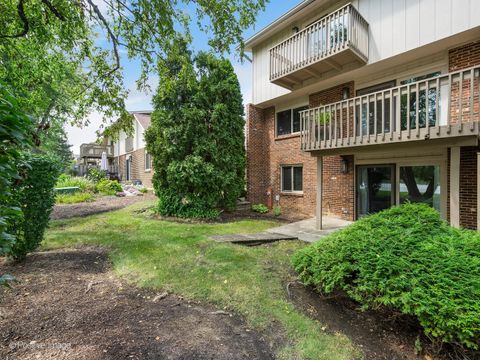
[{"x": 326, "y": 67}]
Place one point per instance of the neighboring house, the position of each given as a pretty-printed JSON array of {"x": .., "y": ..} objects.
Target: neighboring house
[
  {"x": 362, "y": 105},
  {"x": 130, "y": 156}
]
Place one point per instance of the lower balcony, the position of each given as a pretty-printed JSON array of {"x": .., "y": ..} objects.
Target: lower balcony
[{"x": 445, "y": 106}]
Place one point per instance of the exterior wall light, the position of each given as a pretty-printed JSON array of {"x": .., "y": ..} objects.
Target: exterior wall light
[
  {"x": 346, "y": 93},
  {"x": 344, "y": 165}
]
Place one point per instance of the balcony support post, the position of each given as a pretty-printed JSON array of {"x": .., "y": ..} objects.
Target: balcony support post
[
  {"x": 455, "y": 186},
  {"x": 478, "y": 191},
  {"x": 319, "y": 223}
]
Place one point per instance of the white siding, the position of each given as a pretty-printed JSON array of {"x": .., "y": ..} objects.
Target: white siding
[
  {"x": 138, "y": 139},
  {"x": 121, "y": 139},
  {"x": 396, "y": 26},
  {"x": 262, "y": 88}
]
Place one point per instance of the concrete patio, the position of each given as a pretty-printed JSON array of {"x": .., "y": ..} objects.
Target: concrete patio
[{"x": 306, "y": 230}]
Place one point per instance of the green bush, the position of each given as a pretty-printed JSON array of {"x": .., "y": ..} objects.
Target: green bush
[
  {"x": 15, "y": 129},
  {"x": 83, "y": 183},
  {"x": 96, "y": 175},
  {"x": 78, "y": 197},
  {"x": 34, "y": 195},
  {"x": 407, "y": 259},
  {"x": 171, "y": 205},
  {"x": 196, "y": 137},
  {"x": 108, "y": 187},
  {"x": 260, "y": 208},
  {"x": 277, "y": 210}
]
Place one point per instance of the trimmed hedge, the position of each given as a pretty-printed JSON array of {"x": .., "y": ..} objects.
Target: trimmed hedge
[
  {"x": 405, "y": 258},
  {"x": 34, "y": 195}
]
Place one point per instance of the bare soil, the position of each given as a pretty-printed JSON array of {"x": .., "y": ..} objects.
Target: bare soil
[
  {"x": 100, "y": 205},
  {"x": 381, "y": 335},
  {"x": 69, "y": 305}
]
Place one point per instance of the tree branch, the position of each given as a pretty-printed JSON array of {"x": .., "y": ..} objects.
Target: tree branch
[
  {"x": 54, "y": 10},
  {"x": 23, "y": 17},
  {"x": 111, "y": 35}
]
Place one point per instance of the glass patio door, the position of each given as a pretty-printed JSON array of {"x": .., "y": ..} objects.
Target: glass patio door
[{"x": 375, "y": 188}]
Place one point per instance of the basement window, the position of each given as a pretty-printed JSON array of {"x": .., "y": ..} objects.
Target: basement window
[
  {"x": 288, "y": 121},
  {"x": 292, "y": 178}
]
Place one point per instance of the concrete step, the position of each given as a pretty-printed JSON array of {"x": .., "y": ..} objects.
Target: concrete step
[{"x": 252, "y": 239}]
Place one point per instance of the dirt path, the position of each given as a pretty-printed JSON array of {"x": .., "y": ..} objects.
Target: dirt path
[
  {"x": 102, "y": 204},
  {"x": 69, "y": 305}
]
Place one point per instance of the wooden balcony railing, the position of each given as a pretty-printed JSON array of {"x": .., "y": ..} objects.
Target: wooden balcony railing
[
  {"x": 438, "y": 107},
  {"x": 344, "y": 29},
  {"x": 94, "y": 151}
]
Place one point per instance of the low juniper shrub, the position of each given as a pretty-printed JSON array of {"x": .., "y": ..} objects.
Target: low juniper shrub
[{"x": 407, "y": 259}]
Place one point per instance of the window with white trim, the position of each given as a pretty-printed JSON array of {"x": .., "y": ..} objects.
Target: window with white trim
[
  {"x": 292, "y": 178},
  {"x": 148, "y": 161},
  {"x": 288, "y": 121}
]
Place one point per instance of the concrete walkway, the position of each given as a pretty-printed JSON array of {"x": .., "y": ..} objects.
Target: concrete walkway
[
  {"x": 305, "y": 230},
  {"x": 252, "y": 239}
]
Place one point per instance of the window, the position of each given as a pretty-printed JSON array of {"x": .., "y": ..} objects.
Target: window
[
  {"x": 148, "y": 161},
  {"x": 288, "y": 121},
  {"x": 292, "y": 178}
]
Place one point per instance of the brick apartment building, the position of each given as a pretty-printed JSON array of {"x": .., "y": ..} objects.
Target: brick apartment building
[
  {"x": 130, "y": 156},
  {"x": 362, "y": 105}
]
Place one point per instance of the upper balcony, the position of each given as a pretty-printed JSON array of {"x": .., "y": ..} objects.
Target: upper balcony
[
  {"x": 94, "y": 151},
  {"x": 445, "y": 106},
  {"x": 326, "y": 47}
]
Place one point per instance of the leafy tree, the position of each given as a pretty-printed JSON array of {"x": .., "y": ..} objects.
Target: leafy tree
[
  {"x": 196, "y": 137},
  {"x": 55, "y": 143},
  {"x": 51, "y": 57}
]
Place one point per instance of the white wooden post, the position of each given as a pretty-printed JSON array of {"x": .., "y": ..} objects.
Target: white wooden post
[
  {"x": 319, "y": 224},
  {"x": 455, "y": 186}
]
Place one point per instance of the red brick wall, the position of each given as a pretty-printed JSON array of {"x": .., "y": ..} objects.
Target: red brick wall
[
  {"x": 468, "y": 187},
  {"x": 266, "y": 154},
  {"x": 138, "y": 167},
  {"x": 338, "y": 188},
  {"x": 464, "y": 57},
  {"x": 258, "y": 155}
]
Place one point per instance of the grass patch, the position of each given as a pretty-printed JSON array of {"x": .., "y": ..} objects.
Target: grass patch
[
  {"x": 179, "y": 258},
  {"x": 75, "y": 198}
]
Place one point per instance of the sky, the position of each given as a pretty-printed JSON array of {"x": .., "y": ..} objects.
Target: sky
[{"x": 142, "y": 101}]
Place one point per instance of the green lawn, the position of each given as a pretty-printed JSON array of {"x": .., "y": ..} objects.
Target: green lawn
[{"x": 179, "y": 258}]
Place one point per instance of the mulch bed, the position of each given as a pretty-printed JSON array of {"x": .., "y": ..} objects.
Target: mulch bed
[
  {"x": 100, "y": 205},
  {"x": 69, "y": 305},
  {"x": 381, "y": 335}
]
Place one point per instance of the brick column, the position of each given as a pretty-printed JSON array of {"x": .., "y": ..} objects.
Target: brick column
[
  {"x": 258, "y": 155},
  {"x": 338, "y": 198}
]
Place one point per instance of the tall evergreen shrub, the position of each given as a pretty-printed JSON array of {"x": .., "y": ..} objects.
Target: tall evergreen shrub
[{"x": 197, "y": 135}]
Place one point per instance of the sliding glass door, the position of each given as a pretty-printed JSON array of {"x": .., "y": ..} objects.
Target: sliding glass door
[
  {"x": 420, "y": 184},
  {"x": 379, "y": 187},
  {"x": 375, "y": 188}
]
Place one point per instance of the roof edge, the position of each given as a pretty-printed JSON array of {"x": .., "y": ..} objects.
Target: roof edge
[{"x": 273, "y": 25}]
